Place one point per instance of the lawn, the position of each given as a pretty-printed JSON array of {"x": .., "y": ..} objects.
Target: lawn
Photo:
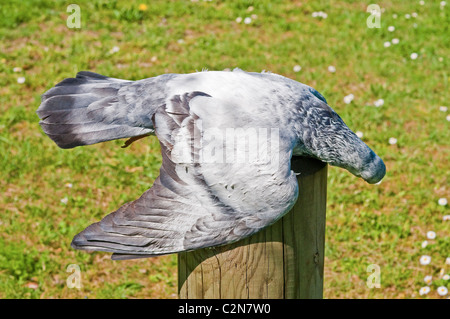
[{"x": 389, "y": 84}]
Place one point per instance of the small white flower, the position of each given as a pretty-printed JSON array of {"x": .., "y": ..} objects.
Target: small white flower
[
  {"x": 254, "y": 16},
  {"x": 395, "y": 41},
  {"x": 65, "y": 200},
  {"x": 21, "y": 80},
  {"x": 425, "y": 260},
  {"x": 69, "y": 185},
  {"x": 154, "y": 58},
  {"x": 447, "y": 261},
  {"x": 331, "y": 69},
  {"x": 297, "y": 68},
  {"x": 378, "y": 102},
  {"x": 114, "y": 49},
  {"x": 428, "y": 279},
  {"x": 424, "y": 290},
  {"x": 442, "y": 201},
  {"x": 424, "y": 244},
  {"x": 443, "y": 108},
  {"x": 359, "y": 134},
  {"x": 387, "y": 44},
  {"x": 239, "y": 19},
  {"x": 448, "y": 117},
  {"x": 395, "y": 16},
  {"x": 391, "y": 28},
  {"x": 320, "y": 14},
  {"x": 414, "y": 14},
  {"x": 392, "y": 140},
  {"x": 441, "y": 59},
  {"x": 431, "y": 235},
  {"x": 348, "y": 98},
  {"x": 407, "y": 16},
  {"x": 421, "y": 2},
  {"x": 17, "y": 69},
  {"x": 180, "y": 41},
  {"x": 446, "y": 217},
  {"x": 414, "y": 56},
  {"x": 442, "y": 291},
  {"x": 248, "y": 20},
  {"x": 443, "y": 3},
  {"x": 446, "y": 277},
  {"x": 250, "y": 9}
]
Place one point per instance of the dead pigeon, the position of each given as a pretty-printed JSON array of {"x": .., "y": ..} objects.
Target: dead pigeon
[{"x": 213, "y": 188}]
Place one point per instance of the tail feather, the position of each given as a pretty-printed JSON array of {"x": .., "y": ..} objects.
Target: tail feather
[{"x": 89, "y": 109}]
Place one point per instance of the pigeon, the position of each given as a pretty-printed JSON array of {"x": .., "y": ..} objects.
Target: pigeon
[{"x": 227, "y": 139}]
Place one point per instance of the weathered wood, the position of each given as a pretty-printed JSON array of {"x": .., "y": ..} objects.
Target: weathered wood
[{"x": 285, "y": 260}]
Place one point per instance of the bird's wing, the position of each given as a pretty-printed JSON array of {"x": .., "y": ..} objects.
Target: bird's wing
[{"x": 202, "y": 197}]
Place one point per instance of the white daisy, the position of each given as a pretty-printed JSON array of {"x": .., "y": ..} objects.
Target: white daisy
[
  {"x": 331, "y": 69},
  {"x": 359, "y": 134},
  {"x": 348, "y": 98},
  {"x": 395, "y": 41},
  {"x": 378, "y": 102},
  {"x": 407, "y": 16},
  {"x": 17, "y": 69},
  {"x": 239, "y": 19},
  {"x": 448, "y": 117},
  {"x": 387, "y": 44},
  {"x": 446, "y": 217},
  {"x": 392, "y": 140},
  {"x": 424, "y": 244},
  {"x": 114, "y": 49},
  {"x": 442, "y": 201},
  {"x": 428, "y": 279},
  {"x": 414, "y": 56},
  {"x": 442, "y": 291},
  {"x": 424, "y": 290},
  {"x": 395, "y": 16},
  {"x": 443, "y": 108},
  {"x": 425, "y": 260},
  {"x": 414, "y": 14},
  {"x": 446, "y": 277},
  {"x": 297, "y": 68},
  {"x": 431, "y": 235},
  {"x": 443, "y": 3},
  {"x": 447, "y": 261},
  {"x": 391, "y": 28},
  {"x": 65, "y": 200},
  {"x": 248, "y": 20},
  {"x": 21, "y": 80},
  {"x": 421, "y": 2}
]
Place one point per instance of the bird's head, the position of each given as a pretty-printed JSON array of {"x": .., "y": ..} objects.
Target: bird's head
[{"x": 325, "y": 136}]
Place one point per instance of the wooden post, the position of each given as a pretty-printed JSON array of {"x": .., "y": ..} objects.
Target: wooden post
[{"x": 285, "y": 260}]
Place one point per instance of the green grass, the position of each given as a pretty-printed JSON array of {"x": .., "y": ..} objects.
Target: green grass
[{"x": 366, "y": 224}]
